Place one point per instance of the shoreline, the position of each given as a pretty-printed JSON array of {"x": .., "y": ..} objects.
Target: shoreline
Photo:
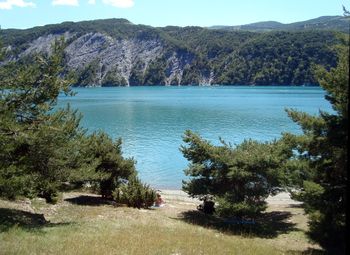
[{"x": 282, "y": 198}]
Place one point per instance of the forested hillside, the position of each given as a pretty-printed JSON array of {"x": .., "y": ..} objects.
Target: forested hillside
[
  {"x": 115, "y": 52},
  {"x": 339, "y": 23}
]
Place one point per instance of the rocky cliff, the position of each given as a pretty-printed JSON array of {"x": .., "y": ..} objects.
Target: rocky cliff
[{"x": 119, "y": 53}]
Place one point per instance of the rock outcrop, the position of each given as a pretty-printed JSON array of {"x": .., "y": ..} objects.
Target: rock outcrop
[{"x": 116, "y": 52}]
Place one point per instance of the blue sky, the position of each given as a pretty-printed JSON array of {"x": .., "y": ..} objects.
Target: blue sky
[{"x": 29, "y": 13}]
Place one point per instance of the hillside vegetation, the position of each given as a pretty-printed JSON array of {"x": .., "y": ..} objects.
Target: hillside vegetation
[
  {"x": 339, "y": 23},
  {"x": 115, "y": 52}
]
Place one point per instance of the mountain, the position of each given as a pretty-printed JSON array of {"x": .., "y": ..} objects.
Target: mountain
[
  {"x": 337, "y": 23},
  {"x": 116, "y": 52}
]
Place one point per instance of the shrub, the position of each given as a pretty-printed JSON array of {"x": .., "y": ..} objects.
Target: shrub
[
  {"x": 135, "y": 194},
  {"x": 109, "y": 167}
]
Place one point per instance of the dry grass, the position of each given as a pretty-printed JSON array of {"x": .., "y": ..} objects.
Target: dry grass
[{"x": 85, "y": 224}]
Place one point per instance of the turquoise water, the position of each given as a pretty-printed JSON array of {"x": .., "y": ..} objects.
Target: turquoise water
[{"x": 152, "y": 120}]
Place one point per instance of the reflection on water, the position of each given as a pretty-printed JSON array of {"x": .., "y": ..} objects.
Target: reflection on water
[{"x": 152, "y": 120}]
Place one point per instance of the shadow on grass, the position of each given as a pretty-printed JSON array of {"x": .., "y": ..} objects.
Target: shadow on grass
[
  {"x": 26, "y": 220},
  {"x": 296, "y": 206},
  {"x": 312, "y": 251},
  {"x": 89, "y": 200},
  {"x": 309, "y": 251},
  {"x": 268, "y": 225}
]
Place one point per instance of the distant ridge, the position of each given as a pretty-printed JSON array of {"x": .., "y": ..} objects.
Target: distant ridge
[
  {"x": 338, "y": 23},
  {"x": 116, "y": 52}
]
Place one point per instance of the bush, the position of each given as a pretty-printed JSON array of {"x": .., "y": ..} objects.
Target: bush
[
  {"x": 135, "y": 194},
  {"x": 110, "y": 168},
  {"x": 240, "y": 178}
]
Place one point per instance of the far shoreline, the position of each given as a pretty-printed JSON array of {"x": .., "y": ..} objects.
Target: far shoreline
[{"x": 202, "y": 86}]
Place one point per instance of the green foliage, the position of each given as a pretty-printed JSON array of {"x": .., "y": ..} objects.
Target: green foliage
[
  {"x": 136, "y": 75},
  {"x": 1, "y": 51},
  {"x": 234, "y": 57},
  {"x": 324, "y": 147},
  {"x": 193, "y": 74},
  {"x": 87, "y": 76},
  {"x": 280, "y": 58},
  {"x": 155, "y": 73},
  {"x": 112, "y": 78},
  {"x": 335, "y": 23},
  {"x": 111, "y": 166},
  {"x": 42, "y": 146},
  {"x": 239, "y": 178},
  {"x": 36, "y": 143},
  {"x": 135, "y": 194}
]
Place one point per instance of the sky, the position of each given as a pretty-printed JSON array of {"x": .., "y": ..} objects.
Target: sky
[{"x": 159, "y": 13}]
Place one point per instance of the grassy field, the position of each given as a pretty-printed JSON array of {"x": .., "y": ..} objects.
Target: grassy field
[{"x": 85, "y": 224}]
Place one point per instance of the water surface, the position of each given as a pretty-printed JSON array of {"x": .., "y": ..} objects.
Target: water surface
[{"x": 152, "y": 120}]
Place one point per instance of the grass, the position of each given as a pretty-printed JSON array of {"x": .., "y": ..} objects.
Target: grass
[{"x": 86, "y": 224}]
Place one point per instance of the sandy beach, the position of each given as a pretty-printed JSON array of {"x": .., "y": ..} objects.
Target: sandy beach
[{"x": 282, "y": 198}]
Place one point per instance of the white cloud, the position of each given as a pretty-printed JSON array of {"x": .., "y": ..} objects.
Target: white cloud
[
  {"x": 120, "y": 3},
  {"x": 92, "y": 2},
  {"x": 8, "y": 4},
  {"x": 65, "y": 2}
]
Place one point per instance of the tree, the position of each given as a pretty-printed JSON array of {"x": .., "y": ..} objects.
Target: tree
[
  {"x": 239, "y": 178},
  {"x": 36, "y": 142},
  {"x": 324, "y": 147},
  {"x": 111, "y": 168},
  {"x": 42, "y": 146}
]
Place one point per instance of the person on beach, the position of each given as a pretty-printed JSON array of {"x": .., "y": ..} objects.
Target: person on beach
[{"x": 159, "y": 201}]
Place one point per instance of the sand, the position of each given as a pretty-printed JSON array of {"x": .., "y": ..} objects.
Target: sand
[{"x": 282, "y": 198}]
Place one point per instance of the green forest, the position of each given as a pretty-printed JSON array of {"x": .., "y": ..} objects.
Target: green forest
[{"x": 226, "y": 57}]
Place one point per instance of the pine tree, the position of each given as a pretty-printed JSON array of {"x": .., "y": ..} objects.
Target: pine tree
[
  {"x": 111, "y": 168},
  {"x": 239, "y": 178},
  {"x": 41, "y": 145},
  {"x": 324, "y": 147},
  {"x": 36, "y": 142}
]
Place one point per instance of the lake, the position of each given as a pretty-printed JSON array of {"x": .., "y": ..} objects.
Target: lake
[{"x": 152, "y": 120}]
